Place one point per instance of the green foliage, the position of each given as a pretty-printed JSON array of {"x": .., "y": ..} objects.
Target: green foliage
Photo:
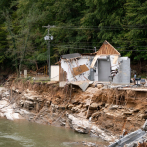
[{"x": 80, "y": 25}]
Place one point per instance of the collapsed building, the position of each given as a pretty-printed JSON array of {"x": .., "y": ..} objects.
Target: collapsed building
[{"x": 105, "y": 65}]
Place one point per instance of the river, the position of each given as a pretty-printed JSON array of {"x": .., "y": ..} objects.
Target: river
[{"x": 22, "y": 133}]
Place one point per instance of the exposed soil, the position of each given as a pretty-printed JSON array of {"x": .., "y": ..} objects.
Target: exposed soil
[{"x": 110, "y": 109}]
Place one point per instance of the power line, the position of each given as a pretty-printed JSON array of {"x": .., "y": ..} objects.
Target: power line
[
  {"x": 72, "y": 46},
  {"x": 103, "y": 27}
]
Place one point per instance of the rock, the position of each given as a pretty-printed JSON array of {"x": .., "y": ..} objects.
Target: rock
[
  {"x": 129, "y": 118},
  {"x": 89, "y": 144},
  {"x": 127, "y": 113},
  {"x": 21, "y": 103},
  {"x": 62, "y": 122},
  {"x": 54, "y": 107},
  {"x": 40, "y": 99},
  {"x": 29, "y": 105},
  {"x": 109, "y": 126},
  {"x": 75, "y": 101},
  {"x": 106, "y": 105},
  {"x": 85, "y": 106},
  {"x": 75, "y": 109},
  {"x": 57, "y": 100},
  {"x": 136, "y": 110},
  {"x": 87, "y": 103},
  {"x": 96, "y": 114},
  {"x": 143, "y": 116},
  {"x": 61, "y": 107},
  {"x": 79, "y": 106},
  {"x": 144, "y": 127},
  {"x": 47, "y": 104},
  {"x": 81, "y": 114},
  {"x": 91, "y": 90},
  {"x": 70, "y": 106},
  {"x": 99, "y": 86},
  {"x": 94, "y": 106},
  {"x": 84, "y": 126},
  {"x": 121, "y": 107},
  {"x": 113, "y": 107}
]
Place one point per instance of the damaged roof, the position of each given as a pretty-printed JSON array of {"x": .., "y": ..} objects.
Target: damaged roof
[
  {"x": 107, "y": 49},
  {"x": 71, "y": 56}
]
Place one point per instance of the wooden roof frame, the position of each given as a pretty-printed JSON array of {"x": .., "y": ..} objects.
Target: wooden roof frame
[{"x": 107, "y": 49}]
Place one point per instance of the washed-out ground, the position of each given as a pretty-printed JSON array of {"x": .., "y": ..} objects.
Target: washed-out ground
[{"x": 99, "y": 111}]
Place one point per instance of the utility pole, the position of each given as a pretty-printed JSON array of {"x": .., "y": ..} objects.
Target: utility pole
[
  {"x": 95, "y": 49},
  {"x": 48, "y": 37}
]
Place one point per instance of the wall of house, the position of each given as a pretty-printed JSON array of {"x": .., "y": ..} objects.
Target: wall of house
[
  {"x": 67, "y": 66},
  {"x": 54, "y": 72},
  {"x": 96, "y": 71},
  {"x": 123, "y": 75},
  {"x": 111, "y": 58},
  {"x": 122, "y": 64},
  {"x": 114, "y": 66}
]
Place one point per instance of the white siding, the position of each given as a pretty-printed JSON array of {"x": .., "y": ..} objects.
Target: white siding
[
  {"x": 67, "y": 66},
  {"x": 54, "y": 72}
]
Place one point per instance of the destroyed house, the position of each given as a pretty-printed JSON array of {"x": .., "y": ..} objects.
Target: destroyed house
[{"x": 105, "y": 65}]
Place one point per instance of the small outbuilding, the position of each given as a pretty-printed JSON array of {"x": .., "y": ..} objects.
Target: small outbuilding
[
  {"x": 110, "y": 66},
  {"x": 105, "y": 65}
]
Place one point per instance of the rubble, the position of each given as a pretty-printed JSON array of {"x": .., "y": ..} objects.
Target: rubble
[
  {"x": 131, "y": 139},
  {"x": 145, "y": 126},
  {"x": 84, "y": 126}
]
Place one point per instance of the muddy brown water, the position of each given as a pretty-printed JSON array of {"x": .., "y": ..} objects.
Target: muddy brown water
[{"x": 22, "y": 133}]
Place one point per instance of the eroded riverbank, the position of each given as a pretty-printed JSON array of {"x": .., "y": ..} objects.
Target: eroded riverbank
[{"x": 98, "y": 111}]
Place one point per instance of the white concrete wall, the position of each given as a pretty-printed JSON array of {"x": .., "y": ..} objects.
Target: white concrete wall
[
  {"x": 68, "y": 67},
  {"x": 86, "y": 60},
  {"x": 54, "y": 72},
  {"x": 123, "y": 75},
  {"x": 113, "y": 66},
  {"x": 96, "y": 73}
]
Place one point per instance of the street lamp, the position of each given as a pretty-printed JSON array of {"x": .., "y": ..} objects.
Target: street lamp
[{"x": 48, "y": 38}]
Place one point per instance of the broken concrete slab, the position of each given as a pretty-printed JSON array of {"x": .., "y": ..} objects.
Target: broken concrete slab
[
  {"x": 82, "y": 84},
  {"x": 129, "y": 138},
  {"x": 145, "y": 126}
]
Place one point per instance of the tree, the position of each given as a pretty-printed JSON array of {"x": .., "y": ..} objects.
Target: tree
[{"x": 136, "y": 20}]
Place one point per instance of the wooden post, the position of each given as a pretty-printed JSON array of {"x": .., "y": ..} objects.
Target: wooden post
[
  {"x": 11, "y": 92},
  {"x": 88, "y": 108},
  {"x": 70, "y": 91},
  {"x": 46, "y": 69}
]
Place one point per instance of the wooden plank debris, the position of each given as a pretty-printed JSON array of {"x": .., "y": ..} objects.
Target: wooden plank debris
[
  {"x": 94, "y": 61},
  {"x": 133, "y": 89},
  {"x": 115, "y": 59},
  {"x": 80, "y": 69}
]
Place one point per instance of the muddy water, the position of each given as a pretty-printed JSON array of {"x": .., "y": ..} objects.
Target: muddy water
[{"x": 25, "y": 134}]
